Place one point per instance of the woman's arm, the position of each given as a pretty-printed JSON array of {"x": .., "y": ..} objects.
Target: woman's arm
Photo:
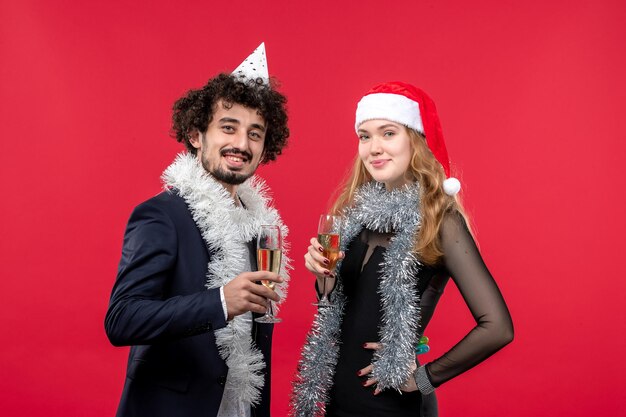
[{"x": 494, "y": 328}]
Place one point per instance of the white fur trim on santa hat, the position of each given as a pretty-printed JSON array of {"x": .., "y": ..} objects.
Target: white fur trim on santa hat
[
  {"x": 394, "y": 107},
  {"x": 451, "y": 186}
]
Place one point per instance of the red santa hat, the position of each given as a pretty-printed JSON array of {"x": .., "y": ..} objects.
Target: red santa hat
[{"x": 408, "y": 105}]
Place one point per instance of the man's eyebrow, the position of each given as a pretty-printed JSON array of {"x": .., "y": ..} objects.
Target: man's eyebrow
[
  {"x": 229, "y": 120},
  {"x": 258, "y": 126},
  {"x": 236, "y": 121}
]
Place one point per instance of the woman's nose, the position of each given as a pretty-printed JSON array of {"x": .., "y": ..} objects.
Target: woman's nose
[{"x": 376, "y": 146}]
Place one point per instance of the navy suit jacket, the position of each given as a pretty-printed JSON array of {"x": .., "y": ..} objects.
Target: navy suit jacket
[{"x": 161, "y": 308}]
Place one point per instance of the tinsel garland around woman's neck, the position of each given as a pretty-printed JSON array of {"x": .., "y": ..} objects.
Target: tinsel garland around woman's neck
[{"x": 384, "y": 211}]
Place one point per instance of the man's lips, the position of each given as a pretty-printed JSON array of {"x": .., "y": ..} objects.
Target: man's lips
[
  {"x": 235, "y": 161},
  {"x": 235, "y": 158}
]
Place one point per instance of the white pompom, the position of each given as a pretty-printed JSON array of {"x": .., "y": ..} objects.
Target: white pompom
[{"x": 451, "y": 186}]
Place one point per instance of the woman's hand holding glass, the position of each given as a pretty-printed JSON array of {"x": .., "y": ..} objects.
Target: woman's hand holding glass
[{"x": 319, "y": 265}]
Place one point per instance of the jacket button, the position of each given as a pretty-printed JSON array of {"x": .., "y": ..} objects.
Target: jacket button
[{"x": 221, "y": 380}]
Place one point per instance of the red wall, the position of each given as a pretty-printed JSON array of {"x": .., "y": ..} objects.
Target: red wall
[{"x": 530, "y": 95}]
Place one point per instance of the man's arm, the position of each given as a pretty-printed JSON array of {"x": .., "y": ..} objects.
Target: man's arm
[{"x": 139, "y": 312}]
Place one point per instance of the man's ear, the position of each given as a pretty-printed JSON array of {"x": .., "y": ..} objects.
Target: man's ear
[{"x": 195, "y": 138}]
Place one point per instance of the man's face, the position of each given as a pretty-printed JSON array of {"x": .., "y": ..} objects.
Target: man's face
[{"x": 232, "y": 146}]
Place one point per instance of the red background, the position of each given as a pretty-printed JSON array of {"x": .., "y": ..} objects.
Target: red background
[{"x": 529, "y": 93}]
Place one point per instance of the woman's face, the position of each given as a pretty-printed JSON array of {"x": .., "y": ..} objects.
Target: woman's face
[{"x": 385, "y": 149}]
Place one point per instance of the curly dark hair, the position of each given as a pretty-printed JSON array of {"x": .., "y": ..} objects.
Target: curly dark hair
[{"x": 195, "y": 110}]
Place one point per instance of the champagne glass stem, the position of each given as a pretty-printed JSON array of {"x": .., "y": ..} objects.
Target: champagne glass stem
[
  {"x": 324, "y": 301},
  {"x": 329, "y": 238}
]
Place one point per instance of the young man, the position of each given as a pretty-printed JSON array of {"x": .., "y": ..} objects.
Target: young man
[{"x": 185, "y": 293}]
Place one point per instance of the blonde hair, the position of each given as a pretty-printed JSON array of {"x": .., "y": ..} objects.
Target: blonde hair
[{"x": 434, "y": 203}]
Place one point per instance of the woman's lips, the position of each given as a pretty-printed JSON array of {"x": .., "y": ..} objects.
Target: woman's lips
[{"x": 379, "y": 163}]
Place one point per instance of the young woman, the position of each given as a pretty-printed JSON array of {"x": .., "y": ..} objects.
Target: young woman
[{"x": 404, "y": 234}]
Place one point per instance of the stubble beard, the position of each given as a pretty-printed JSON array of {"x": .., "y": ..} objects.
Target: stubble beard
[{"x": 223, "y": 175}]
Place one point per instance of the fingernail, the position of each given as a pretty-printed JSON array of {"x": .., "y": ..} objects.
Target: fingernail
[
  {"x": 364, "y": 345},
  {"x": 326, "y": 262},
  {"x": 365, "y": 384},
  {"x": 358, "y": 373},
  {"x": 321, "y": 249},
  {"x": 326, "y": 272}
]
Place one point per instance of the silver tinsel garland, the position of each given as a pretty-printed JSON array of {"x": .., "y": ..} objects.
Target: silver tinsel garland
[
  {"x": 376, "y": 209},
  {"x": 225, "y": 229}
]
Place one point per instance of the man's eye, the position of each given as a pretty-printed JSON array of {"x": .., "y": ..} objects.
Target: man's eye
[
  {"x": 255, "y": 135},
  {"x": 228, "y": 128}
]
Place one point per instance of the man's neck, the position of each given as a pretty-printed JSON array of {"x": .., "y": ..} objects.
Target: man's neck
[{"x": 232, "y": 190}]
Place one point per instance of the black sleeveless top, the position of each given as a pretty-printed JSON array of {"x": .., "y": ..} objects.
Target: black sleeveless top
[{"x": 361, "y": 324}]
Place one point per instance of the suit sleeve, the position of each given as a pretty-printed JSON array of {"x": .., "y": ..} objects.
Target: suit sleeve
[
  {"x": 140, "y": 312},
  {"x": 494, "y": 328}
]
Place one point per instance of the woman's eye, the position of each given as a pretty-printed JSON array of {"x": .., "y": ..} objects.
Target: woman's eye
[
  {"x": 363, "y": 137},
  {"x": 389, "y": 133}
]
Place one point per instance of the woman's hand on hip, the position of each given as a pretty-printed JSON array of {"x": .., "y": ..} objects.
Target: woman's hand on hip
[{"x": 408, "y": 386}]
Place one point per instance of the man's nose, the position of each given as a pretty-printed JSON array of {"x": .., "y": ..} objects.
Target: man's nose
[{"x": 240, "y": 140}]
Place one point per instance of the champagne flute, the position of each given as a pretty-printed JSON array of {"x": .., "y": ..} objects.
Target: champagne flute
[
  {"x": 268, "y": 254},
  {"x": 329, "y": 237}
]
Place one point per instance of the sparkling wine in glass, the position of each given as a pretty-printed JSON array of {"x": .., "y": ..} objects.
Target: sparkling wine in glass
[
  {"x": 268, "y": 253},
  {"x": 329, "y": 237}
]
